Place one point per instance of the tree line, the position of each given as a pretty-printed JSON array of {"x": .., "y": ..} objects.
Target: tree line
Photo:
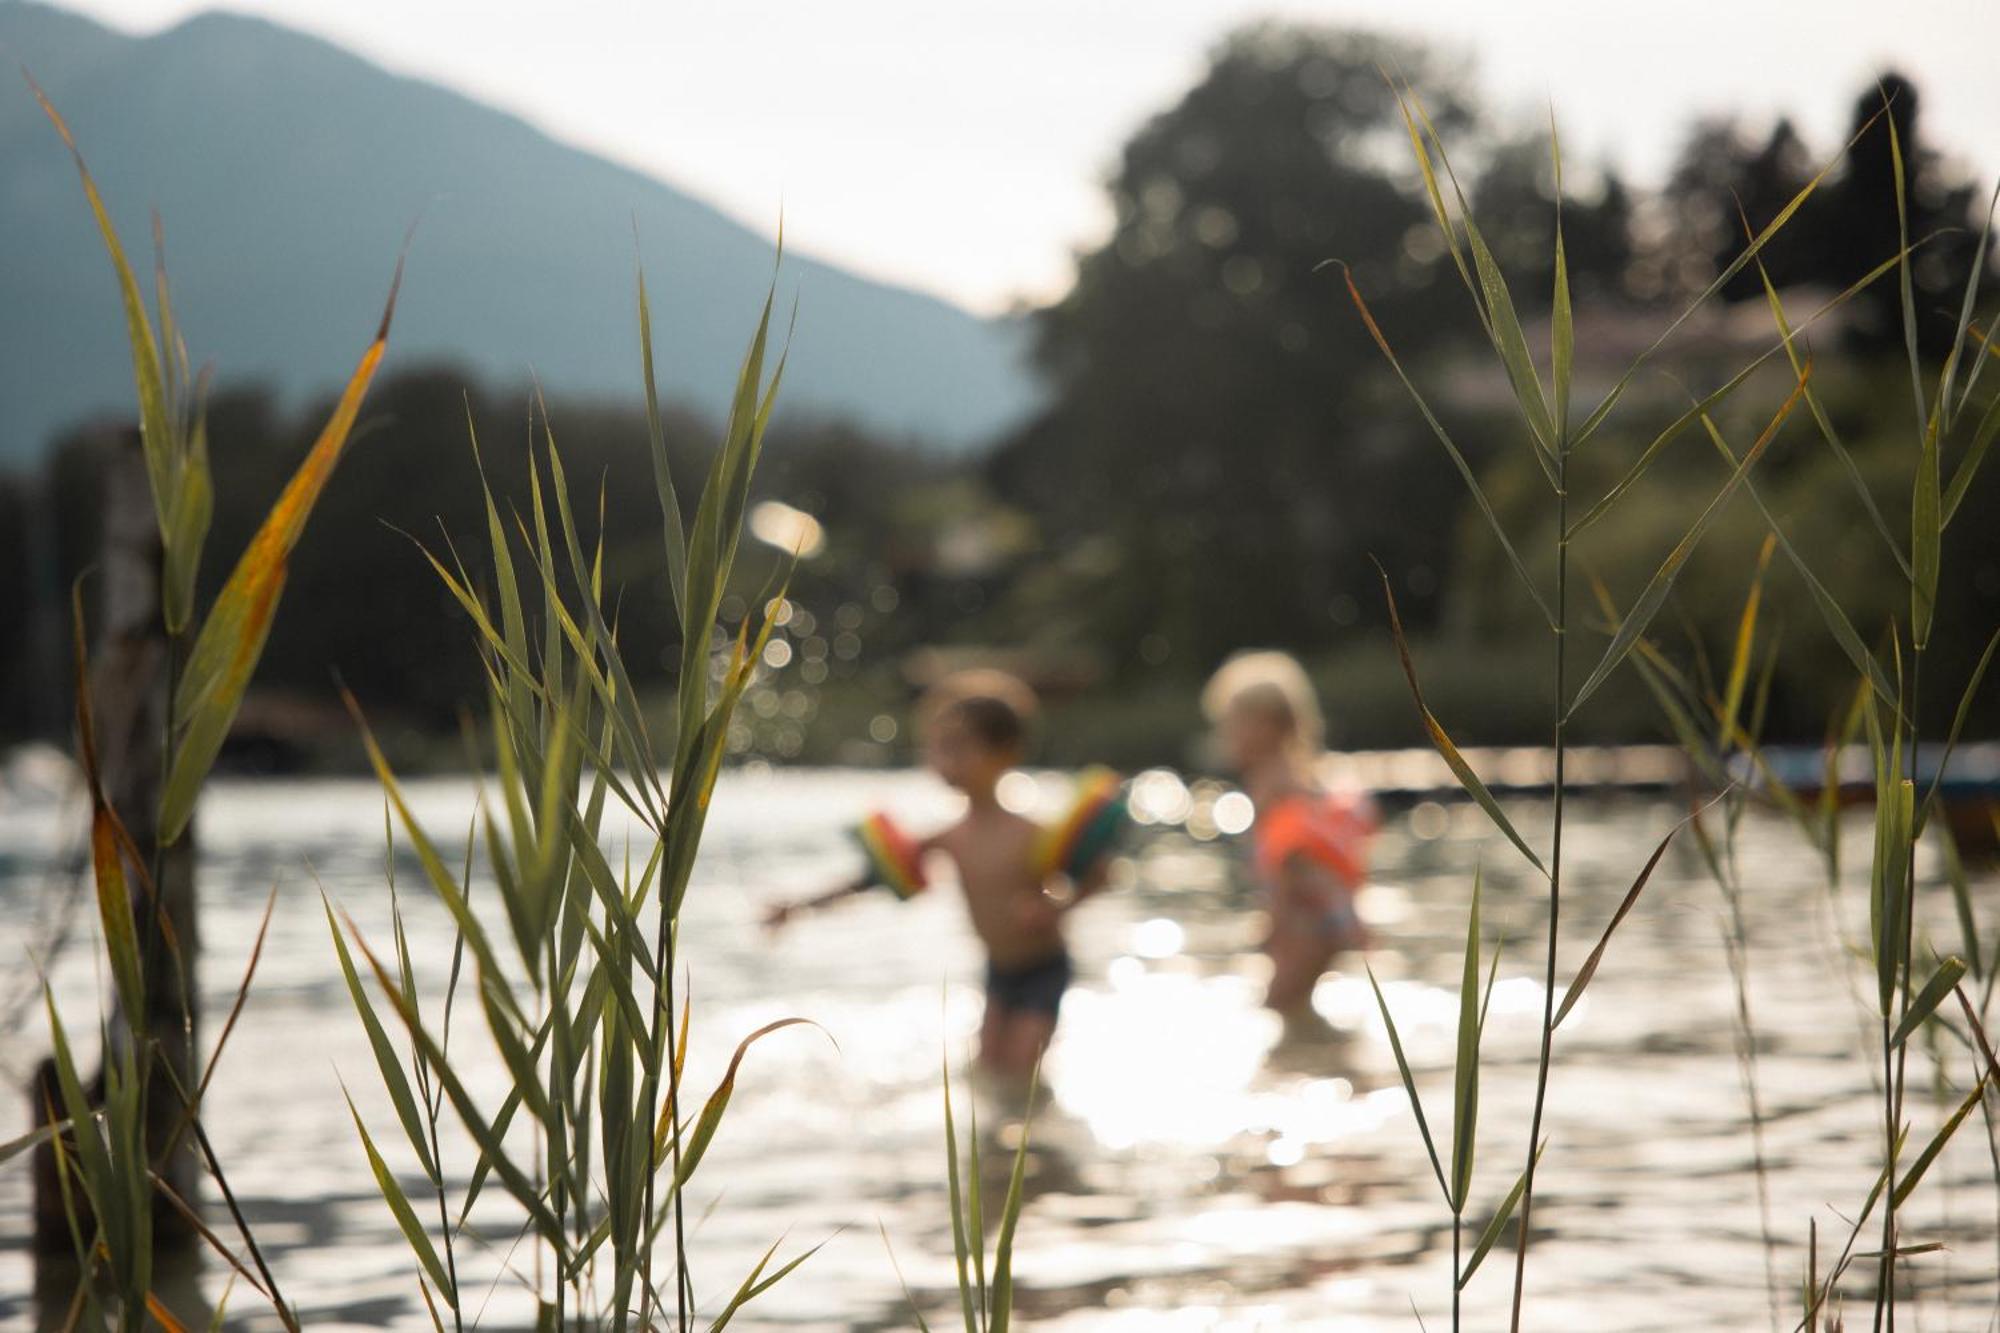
[{"x": 1222, "y": 457}]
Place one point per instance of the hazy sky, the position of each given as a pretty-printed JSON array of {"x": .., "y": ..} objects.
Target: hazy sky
[{"x": 959, "y": 145}]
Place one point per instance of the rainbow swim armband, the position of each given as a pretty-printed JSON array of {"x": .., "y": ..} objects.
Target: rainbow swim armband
[
  {"x": 895, "y": 859},
  {"x": 1074, "y": 844}
]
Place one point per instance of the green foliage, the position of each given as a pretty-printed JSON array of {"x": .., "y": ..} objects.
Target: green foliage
[
  {"x": 1722, "y": 726},
  {"x": 578, "y": 992}
]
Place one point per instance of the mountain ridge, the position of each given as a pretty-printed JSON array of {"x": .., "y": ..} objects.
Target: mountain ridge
[{"x": 288, "y": 171}]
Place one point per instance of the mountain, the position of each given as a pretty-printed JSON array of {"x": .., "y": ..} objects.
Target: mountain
[{"x": 287, "y": 172}]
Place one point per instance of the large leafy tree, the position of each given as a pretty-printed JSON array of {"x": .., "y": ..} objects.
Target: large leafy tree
[{"x": 1215, "y": 469}]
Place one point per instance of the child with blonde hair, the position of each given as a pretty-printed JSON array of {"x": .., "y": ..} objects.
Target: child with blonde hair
[{"x": 1310, "y": 844}]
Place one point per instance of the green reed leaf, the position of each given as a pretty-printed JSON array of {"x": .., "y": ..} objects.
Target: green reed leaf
[
  {"x": 1974, "y": 283},
  {"x": 1837, "y": 623},
  {"x": 1728, "y": 274},
  {"x": 755, "y": 1286},
  {"x": 1928, "y": 999},
  {"x": 1969, "y": 462},
  {"x": 148, "y": 374},
  {"x": 1625, "y": 906},
  {"x": 1489, "y": 1235},
  {"x": 1926, "y": 531},
  {"x": 960, "y": 1242},
  {"x": 909, "y": 1297},
  {"x": 1907, "y": 288},
  {"x": 388, "y": 1062},
  {"x": 1465, "y": 1074},
  {"x": 34, "y": 1138},
  {"x": 1465, "y": 471},
  {"x": 663, "y": 478},
  {"x": 1739, "y": 657},
  {"x": 399, "y": 1206},
  {"x": 1965, "y": 700},
  {"x": 1010, "y": 1215},
  {"x": 1828, "y": 432},
  {"x": 1409, "y": 1084},
  {"x": 1661, "y": 584},
  {"x": 1888, "y": 890},
  {"x": 1961, "y": 899},
  {"x": 975, "y": 1209},
  {"x": 718, "y": 1101},
  {"x": 1914, "y": 1176},
  {"x": 231, "y": 639},
  {"x": 435, "y": 870},
  {"x": 1496, "y": 304},
  {"x": 487, "y": 1136},
  {"x": 1443, "y": 743}
]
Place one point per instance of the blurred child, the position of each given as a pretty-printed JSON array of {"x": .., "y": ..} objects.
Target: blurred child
[
  {"x": 1310, "y": 845},
  {"x": 975, "y": 727}
]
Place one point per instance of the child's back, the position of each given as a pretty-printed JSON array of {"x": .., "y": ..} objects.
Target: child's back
[{"x": 993, "y": 850}]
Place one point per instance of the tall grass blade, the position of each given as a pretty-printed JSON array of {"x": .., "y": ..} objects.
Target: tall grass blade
[
  {"x": 1443, "y": 743},
  {"x": 387, "y": 1061},
  {"x": 1828, "y": 432},
  {"x": 1465, "y": 1075},
  {"x": 399, "y": 1206},
  {"x": 1495, "y": 302},
  {"x": 718, "y": 1101},
  {"x": 34, "y": 1138},
  {"x": 1831, "y": 612},
  {"x": 1926, "y": 532},
  {"x": 975, "y": 1211},
  {"x": 1907, "y": 290},
  {"x": 1721, "y": 280},
  {"x": 1625, "y": 906},
  {"x": 663, "y": 478},
  {"x": 155, "y": 428},
  {"x": 909, "y": 1298},
  {"x": 1490, "y": 1234},
  {"x": 755, "y": 1286},
  {"x": 486, "y": 1135},
  {"x": 109, "y": 844},
  {"x": 231, "y": 639},
  {"x": 1739, "y": 657},
  {"x": 1961, "y": 900},
  {"x": 1562, "y": 323},
  {"x": 1965, "y": 699},
  {"x": 960, "y": 1243},
  {"x": 1969, "y": 462},
  {"x": 1457, "y": 458},
  {"x": 1002, "y": 1304},
  {"x": 1661, "y": 584},
  {"x": 1914, "y": 1176},
  {"x": 1974, "y": 283},
  {"x": 1928, "y": 999},
  {"x": 1410, "y": 1085}
]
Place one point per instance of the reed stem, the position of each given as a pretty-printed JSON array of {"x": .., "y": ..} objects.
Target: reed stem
[{"x": 1555, "y": 881}]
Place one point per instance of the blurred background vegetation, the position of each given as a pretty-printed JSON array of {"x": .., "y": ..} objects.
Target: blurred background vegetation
[{"x": 1219, "y": 452}]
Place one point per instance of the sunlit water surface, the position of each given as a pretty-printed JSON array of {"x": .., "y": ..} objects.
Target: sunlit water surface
[{"x": 1195, "y": 1168}]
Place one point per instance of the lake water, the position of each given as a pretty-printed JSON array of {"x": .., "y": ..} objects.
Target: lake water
[{"x": 1191, "y": 1170}]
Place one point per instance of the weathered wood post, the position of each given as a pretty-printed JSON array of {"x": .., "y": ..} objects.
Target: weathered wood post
[{"x": 130, "y": 680}]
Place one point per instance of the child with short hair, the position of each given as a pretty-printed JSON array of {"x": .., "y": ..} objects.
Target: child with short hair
[
  {"x": 975, "y": 727},
  {"x": 1310, "y": 844}
]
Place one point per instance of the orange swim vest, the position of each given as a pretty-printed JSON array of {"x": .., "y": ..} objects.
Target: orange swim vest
[{"x": 1328, "y": 829}]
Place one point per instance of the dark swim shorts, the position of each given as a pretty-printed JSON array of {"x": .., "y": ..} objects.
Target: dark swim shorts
[{"x": 1035, "y": 988}]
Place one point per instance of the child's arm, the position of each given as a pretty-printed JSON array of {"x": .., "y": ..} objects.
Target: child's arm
[{"x": 777, "y": 914}]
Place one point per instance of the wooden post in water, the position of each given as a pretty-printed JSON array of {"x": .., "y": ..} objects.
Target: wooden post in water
[{"x": 129, "y": 684}]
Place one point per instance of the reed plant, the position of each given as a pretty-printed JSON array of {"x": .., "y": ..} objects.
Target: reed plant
[
  {"x": 1950, "y": 418},
  {"x": 116, "y": 1138},
  {"x": 570, "y": 958}
]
